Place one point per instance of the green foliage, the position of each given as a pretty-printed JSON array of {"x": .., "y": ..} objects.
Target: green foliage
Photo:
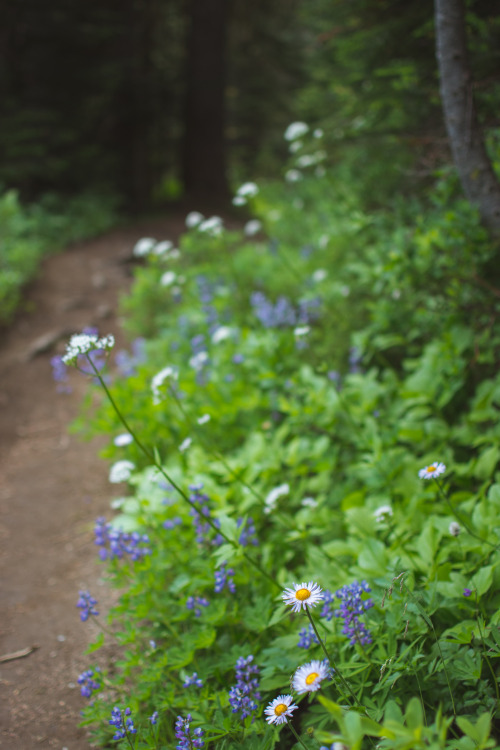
[
  {"x": 369, "y": 351},
  {"x": 29, "y": 232}
]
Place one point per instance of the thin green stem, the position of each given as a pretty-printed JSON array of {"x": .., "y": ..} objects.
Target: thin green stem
[
  {"x": 485, "y": 655},
  {"x": 297, "y": 736},
  {"x": 460, "y": 519},
  {"x": 151, "y": 457},
  {"x": 345, "y": 684}
]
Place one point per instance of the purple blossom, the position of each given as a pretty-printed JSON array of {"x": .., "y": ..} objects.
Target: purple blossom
[
  {"x": 244, "y": 696},
  {"x": 282, "y": 313},
  {"x": 60, "y": 374},
  {"x": 88, "y": 683},
  {"x": 154, "y": 717},
  {"x": 87, "y": 604},
  {"x": 467, "y": 592},
  {"x": 200, "y": 512},
  {"x": 353, "y": 607},
  {"x": 171, "y": 523},
  {"x": 123, "y": 723},
  {"x": 127, "y": 363},
  {"x": 307, "y": 637},
  {"x": 224, "y": 578},
  {"x": 195, "y": 602},
  {"x": 187, "y": 739},
  {"x": 327, "y": 610},
  {"x": 248, "y": 532},
  {"x": 118, "y": 544},
  {"x": 193, "y": 680}
]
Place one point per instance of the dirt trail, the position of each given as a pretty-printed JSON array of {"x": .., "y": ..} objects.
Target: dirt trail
[{"x": 52, "y": 487}]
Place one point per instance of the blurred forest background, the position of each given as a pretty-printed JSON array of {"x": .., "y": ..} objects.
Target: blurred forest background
[{"x": 149, "y": 100}]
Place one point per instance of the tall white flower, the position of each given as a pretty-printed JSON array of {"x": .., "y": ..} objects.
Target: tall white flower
[
  {"x": 159, "y": 379},
  {"x": 278, "y": 711},
  {"x": 295, "y": 130},
  {"x": 308, "y": 677},
  {"x": 83, "y": 343},
  {"x": 121, "y": 471}
]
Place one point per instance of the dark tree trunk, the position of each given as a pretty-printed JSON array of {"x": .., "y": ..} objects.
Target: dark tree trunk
[
  {"x": 204, "y": 144},
  {"x": 478, "y": 179}
]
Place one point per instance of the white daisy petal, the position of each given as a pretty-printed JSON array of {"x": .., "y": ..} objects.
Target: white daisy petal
[
  {"x": 278, "y": 711},
  {"x": 432, "y": 471},
  {"x": 303, "y": 595},
  {"x": 308, "y": 678}
]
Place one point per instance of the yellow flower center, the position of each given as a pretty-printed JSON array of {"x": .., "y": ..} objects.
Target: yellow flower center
[
  {"x": 431, "y": 468},
  {"x": 311, "y": 677},
  {"x": 302, "y": 594},
  {"x": 280, "y": 709}
]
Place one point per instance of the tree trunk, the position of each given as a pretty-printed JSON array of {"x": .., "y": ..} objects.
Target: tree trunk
[
  {"x": 478, "y": 179},
  {"x": 204, "y": 147}
]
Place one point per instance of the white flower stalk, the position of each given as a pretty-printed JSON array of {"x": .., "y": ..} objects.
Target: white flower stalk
[
  {"x": 432, "y": 471},
  {"x": 302, "y": 596},
  {"x": 274, "y": 495},
  {"x": 308, "y": 678},
  {"x": 280, "y": 709},
  {"x": 143, "y": 247},
  {"x": 295, "y": 130},
  {"x": 168, "y": 373},
  {"x": 121, "y": 471},
  {"x": 193, "y": 219},
  {"x": 252, "y": 227},
  {"x": 84, "y": 343}
]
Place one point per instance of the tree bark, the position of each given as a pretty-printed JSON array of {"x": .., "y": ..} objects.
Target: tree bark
[
  {"x": 479, "y": 182},
  {"x": 204, "y": 146}
]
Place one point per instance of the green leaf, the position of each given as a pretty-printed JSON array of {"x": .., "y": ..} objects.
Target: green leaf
[{"x": 96, "y": 645}]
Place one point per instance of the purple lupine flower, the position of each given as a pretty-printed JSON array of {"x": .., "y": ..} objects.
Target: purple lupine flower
[
  {"x": 87, "y": 604},
  {"x": 187, "y": 739},
  {"x": 327, "y": 611},
  {"x": 352, "y": 607},
  {"x": 248, "y": 532},
  {"x": 195, "y": 602},
  {"x": 193, "y": 680},
  {"x": 116, "y": 543},
  {"x": 307, "y": 637},
  {"x": 467, "y": 592},
  {"x": 127, "y": 363},
  {"x": 224, "y": 578},
  {"x": 154, "y": 717},
  {"x": 60, "y": 374},
  {"x": 283, "y": 314},
  {"x": 201, "y": 511},
  {"x": 122, "y": 722},
  {"x": 88, "y": 683},
  {"x": 244, "y": 696},
  {"x": 171, "y": 523}
]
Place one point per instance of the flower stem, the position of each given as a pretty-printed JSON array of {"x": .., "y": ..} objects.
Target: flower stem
[
  {"x": 150, "y": 455},
  {"x": 297, "y": 736},
  {"x": 459, "y": 518}
]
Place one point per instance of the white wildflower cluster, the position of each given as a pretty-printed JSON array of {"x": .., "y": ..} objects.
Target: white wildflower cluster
[
  {"x": 252, "y": 227},
  {"x": 158, "y": 380},
  {"x": 244, "y": 192},
  {"x": 150, "y": 246},
  {"x": 121, "y": 471},
  {"x": 293, "y": 175},
  {"x": 84, "y": 343},
  {"x": 301, "y": 331},
  {"x": 212, "y": 226},
  {"x": 296, "y": 130},
  {"x": 221, "y": 334},
  {"x": 273, "y": 497}
]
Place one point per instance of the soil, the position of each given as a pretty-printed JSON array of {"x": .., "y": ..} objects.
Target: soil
[{"x": 52, "y": 487}]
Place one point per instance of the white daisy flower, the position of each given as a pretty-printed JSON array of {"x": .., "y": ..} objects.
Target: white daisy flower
[
  {"x": 124, "y": 439},
  {"x": 159, "y": 379},
  {"x": 121, "y": 471},
  {"x": 295, "y": 130},
  {"x": 143, "y": 247},
  {"x": 303, "y": 595},
  {"x": 454, "y": 528},
  {"x": 278, "y": 711},
  {"x": 308, "y": 678},
  {"x": 252, "y": 227},
  {"x": 193, "y": 219},
  {"x": 432, "y": 471}
]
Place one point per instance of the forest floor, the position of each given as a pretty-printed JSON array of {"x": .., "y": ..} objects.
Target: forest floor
[{"x": 52, "y": 488}]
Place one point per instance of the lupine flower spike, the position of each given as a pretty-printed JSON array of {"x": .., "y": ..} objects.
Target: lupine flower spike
[
  {"x": 278, "y": 711},
  {"x": 303, "y": 596},
  {"x": 308, "y": 677}
]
